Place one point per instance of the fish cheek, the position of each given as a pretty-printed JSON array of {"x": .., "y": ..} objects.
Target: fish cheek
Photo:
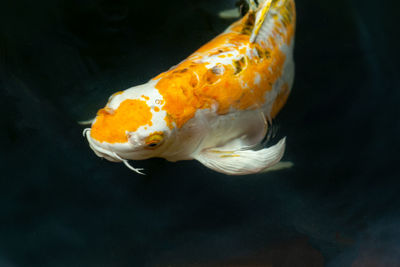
[{"x": 133, "y": 139}]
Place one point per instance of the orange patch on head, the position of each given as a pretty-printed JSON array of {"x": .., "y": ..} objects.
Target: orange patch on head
[
  {"x": 146, "y": 97},
  {"x": 129, "y": 116},
  {"x": 156, "y": 109}
]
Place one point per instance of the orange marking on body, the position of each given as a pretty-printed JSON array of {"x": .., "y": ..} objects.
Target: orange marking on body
[
  {"x": 235, "y": 87},
  {"x": 129, "y": 116}
]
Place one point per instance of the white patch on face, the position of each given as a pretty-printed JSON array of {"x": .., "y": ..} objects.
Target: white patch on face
[
  {"x": 135, "y": 92},
  {"x": 158, "y": 124}
]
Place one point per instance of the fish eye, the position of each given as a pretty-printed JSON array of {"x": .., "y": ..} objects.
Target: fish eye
[
  {"x": 154, "y": 140},
  {"x": 152, "y": 144}
]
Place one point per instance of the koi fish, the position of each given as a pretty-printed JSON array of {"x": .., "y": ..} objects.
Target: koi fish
[{"x": 215, "y": 106}]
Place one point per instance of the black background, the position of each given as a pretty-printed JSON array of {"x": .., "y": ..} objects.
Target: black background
[{"x": 60, "y": 205}]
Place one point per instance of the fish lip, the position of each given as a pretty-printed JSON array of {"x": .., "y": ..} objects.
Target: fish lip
[
  {"x": 105, "y": 150},
  {"x": 100, "y": 151}
]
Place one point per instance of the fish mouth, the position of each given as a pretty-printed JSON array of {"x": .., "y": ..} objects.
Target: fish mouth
[
  {"x": 98, "y": 150},
  {"x": 107, "y": 154}
]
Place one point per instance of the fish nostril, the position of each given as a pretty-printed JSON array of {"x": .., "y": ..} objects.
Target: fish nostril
[{"x": 132, "y": 139}]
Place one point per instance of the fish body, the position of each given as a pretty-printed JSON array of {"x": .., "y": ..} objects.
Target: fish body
[{"x": 215, "y": 105}]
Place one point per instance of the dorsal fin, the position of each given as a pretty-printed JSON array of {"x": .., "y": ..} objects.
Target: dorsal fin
[
  {"x": 253, "y": 5},
  {"x": 261, "y": 15}
]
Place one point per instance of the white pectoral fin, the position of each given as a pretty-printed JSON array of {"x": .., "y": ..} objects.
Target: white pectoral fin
[{"x": 241, "y": 162}]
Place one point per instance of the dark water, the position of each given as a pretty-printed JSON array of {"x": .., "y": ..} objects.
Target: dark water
[{"x": 60, "y": 205}]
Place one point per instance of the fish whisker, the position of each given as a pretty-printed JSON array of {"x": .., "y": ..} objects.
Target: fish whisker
[
  {"x": 126, "y": 162},
  {"x": 85, "y": 131}
]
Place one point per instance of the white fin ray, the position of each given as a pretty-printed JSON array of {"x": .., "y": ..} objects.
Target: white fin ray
[
  {"x": 241, "y": 162},
  {"x": 260, "y": 26}
]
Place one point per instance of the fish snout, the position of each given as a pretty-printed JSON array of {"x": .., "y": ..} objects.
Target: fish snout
[{"x": 99, "y": 149}]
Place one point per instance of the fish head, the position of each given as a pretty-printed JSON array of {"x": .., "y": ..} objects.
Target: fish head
[{"x": 132, "y": 126}]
